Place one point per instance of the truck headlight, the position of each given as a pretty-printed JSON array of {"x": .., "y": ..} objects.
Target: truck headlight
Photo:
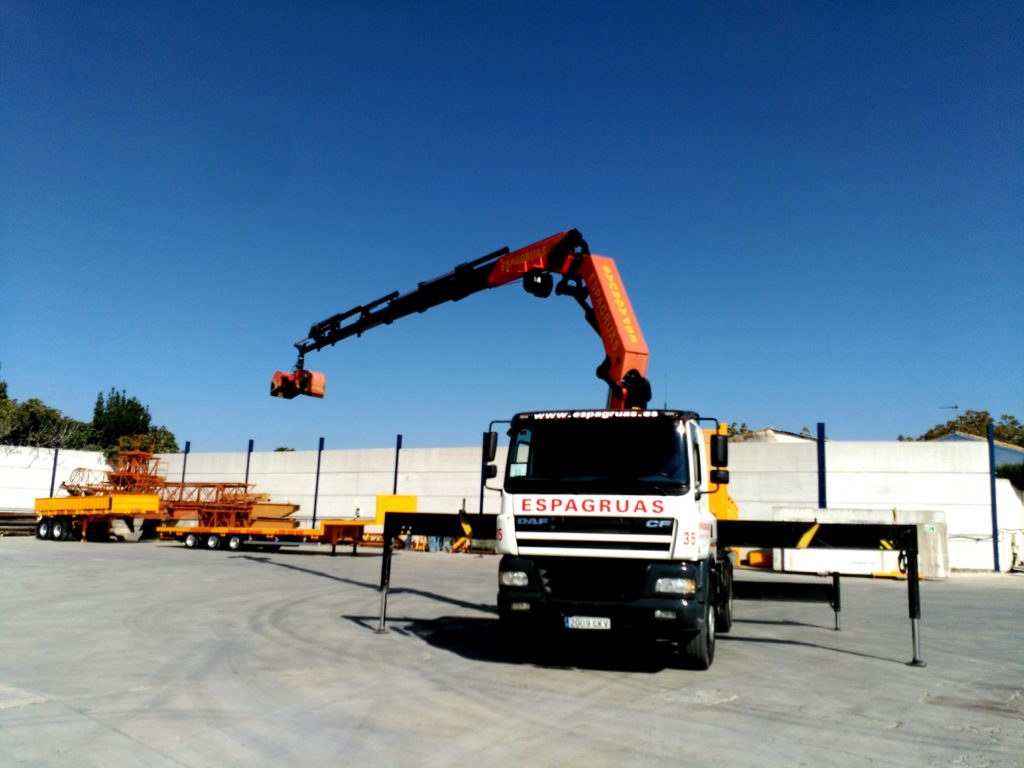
[
  {"x": 676, "y": 586},
  {"x": 513, "y": 578}
]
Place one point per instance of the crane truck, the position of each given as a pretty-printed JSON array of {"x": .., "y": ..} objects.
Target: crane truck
[{"x": 606, "y": 518}]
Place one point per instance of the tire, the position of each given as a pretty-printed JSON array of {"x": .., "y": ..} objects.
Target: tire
[
  {"x": 234, "y": 543},
  {"x": 723, "y": 610},
  {"x": 213, "y": 541},
  {"x": 148, "y": 530},
  {"x": 43, "y": 528},
  {"x": 698, "y": 651},
  {"x": 191, "y": 541},
  {"x": 516, "y": 636},
  {"x": 60, "y": 529}
]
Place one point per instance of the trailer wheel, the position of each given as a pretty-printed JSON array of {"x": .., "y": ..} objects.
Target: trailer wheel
[
  {"x": 213, "y": 541},
  {"x": 60, "y": 529},
  {"x": 234, "y": 543},
  {"x": 43, "y": 528},
  {"x": 191, "y": 541},
  {"x": 698, "y": 651}
]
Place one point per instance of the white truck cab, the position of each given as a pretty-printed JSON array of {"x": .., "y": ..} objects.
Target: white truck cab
[{"x": 605, "y": 525}]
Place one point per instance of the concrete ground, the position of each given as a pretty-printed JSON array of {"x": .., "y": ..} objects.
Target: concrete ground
[{"x": 149, "y": 654}]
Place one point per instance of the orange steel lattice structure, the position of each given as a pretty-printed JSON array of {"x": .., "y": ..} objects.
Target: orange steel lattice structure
[{"x": 138, "y": 471}]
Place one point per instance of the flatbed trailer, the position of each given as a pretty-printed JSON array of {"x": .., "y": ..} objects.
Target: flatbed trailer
[
  {"x": 63, "y": 518},
  {"x": 269, "y": 537}
]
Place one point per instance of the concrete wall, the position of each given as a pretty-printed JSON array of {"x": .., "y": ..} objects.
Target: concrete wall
[
  {"x": 443, "y": 478},
  {"x": 949, "y": 479},
  {"x": 25, "y": 473}
]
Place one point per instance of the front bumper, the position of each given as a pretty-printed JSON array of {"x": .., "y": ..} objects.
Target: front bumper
[{"x": 620, "y": 591}]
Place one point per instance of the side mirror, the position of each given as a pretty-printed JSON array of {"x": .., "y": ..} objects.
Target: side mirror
[
  {"x": 720, "y": 476},
  {"x": 490, "y": 447},
  {"x": 719, "y": 451},
  {"x": 491, "y": 471}
]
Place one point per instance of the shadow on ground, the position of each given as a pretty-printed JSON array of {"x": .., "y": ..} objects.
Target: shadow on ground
[{"x": 482, "y": 639}]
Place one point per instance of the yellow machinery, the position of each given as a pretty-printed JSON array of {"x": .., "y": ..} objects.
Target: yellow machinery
[{"x": 60, "y": 518}]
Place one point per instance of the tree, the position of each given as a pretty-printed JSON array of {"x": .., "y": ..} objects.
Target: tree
[
  {"x": 1014, "y": 473},
  {"x": 7, "y": 408},
  {"x": 739, "y": 430},
  {"x": 117, "y": 415},
  {"x": 35, "y": 424},
  {"x": 1008, "y": 429},
  {"x": 164, "y": 440}
]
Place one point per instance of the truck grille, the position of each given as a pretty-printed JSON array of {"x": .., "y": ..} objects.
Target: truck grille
[
  {"x": 585, "y": 579},
  {"x": 571, "y": 534}
]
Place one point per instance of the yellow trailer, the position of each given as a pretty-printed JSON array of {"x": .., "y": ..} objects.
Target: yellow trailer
[
  {"x": 62, "y": 518},
  {"x": 270, "y": 537},
  {"x": 267, "y": 533}
]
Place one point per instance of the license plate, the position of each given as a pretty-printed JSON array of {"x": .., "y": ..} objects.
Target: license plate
[{"x": 588, "y": 622}]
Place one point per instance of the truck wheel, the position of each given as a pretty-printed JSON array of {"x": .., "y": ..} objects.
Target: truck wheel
[
  {"x": 43, "y": 528},
  {"x": 724, "y": 609},
  {"x": 516, "y": 635},
  {"x": 148, "y": 530},
  {"x": 60, "y": 529},
  {"x": 213, "y": 541},
  {"x": 234, "y": 543},
  {"x": 191, "y": 541},
  {"x": 699, "y": 651}
]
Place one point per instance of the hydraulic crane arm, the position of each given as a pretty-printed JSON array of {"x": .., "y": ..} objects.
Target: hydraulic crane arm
[{"x": 592, "y": 280}]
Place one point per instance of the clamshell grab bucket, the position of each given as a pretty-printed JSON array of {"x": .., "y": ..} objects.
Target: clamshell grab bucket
[{"x": 300, "y": 382}]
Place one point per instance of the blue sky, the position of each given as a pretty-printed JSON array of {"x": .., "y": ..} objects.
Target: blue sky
[{"x": 816, "y": 208}]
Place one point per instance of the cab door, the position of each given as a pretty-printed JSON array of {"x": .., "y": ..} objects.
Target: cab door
[{"x": 698, "y": 466}]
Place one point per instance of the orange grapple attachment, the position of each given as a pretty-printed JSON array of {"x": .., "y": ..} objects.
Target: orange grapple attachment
[
  {"x": 283, "y": 385},
  {"x": 300, "y": 382}
]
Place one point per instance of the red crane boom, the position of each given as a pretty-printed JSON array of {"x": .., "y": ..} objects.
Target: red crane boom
[{"x": 593, "y": 281}]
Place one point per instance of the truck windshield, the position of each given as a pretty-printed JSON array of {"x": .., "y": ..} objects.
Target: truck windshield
[{"x": 597, "y": 455}]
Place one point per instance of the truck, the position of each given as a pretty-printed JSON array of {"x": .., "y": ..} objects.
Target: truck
[
  {"x": 606, "y": 524},
  {"x": 606, "y": 520}
]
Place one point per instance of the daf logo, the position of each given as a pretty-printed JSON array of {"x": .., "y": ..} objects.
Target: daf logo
[
  {"x": 659, "y": 523},
  {"x": 533, "y": 520}
]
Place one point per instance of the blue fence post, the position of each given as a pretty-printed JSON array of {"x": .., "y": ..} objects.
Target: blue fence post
[
  {"x": 398, "y": 450},
  {"x": 184, "y": 461},
  {"x": 822, "y": 496},
  {"x": 248, "y": 457},
  {"x": 991, "y": 432},
  {"x": 53, "y": 474},
  {"x": 316, "y": 487}
]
